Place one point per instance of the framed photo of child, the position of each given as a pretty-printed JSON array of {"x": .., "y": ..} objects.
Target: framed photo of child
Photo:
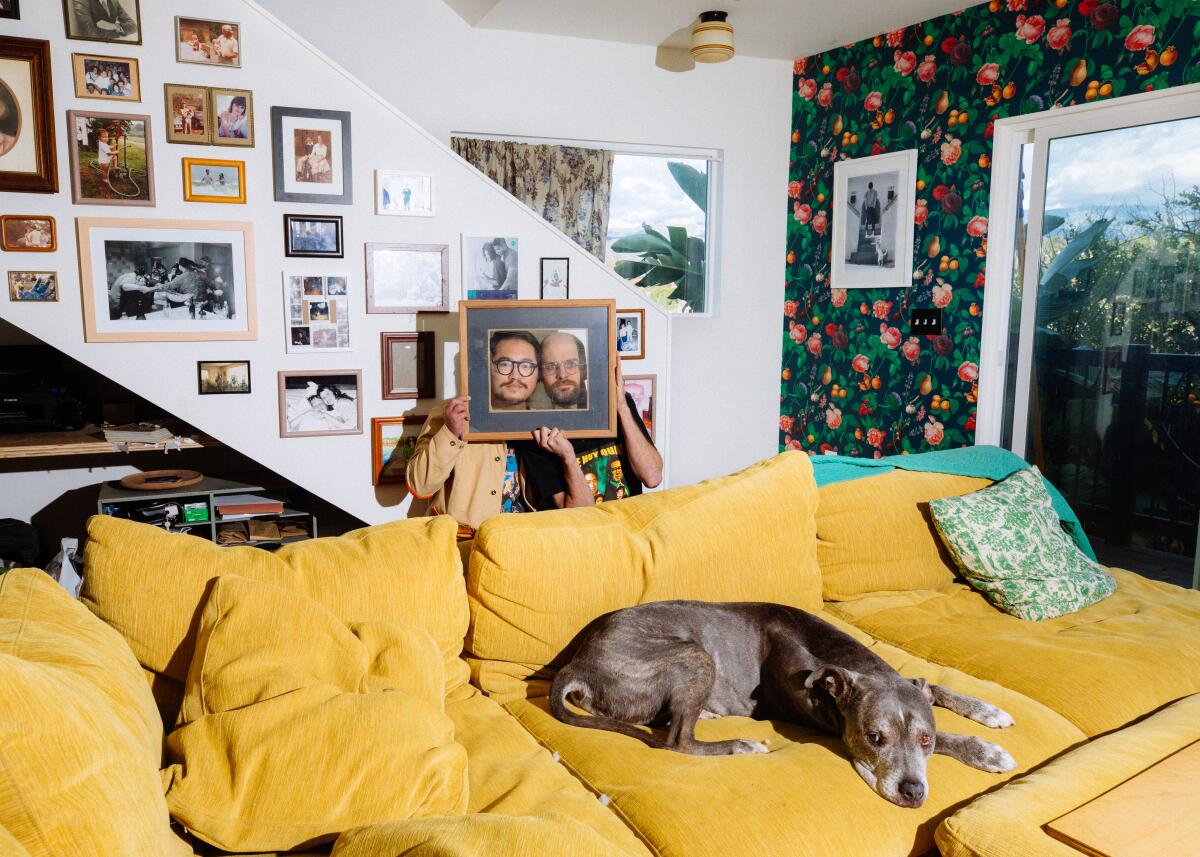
[{"x": 112, "y": 158}]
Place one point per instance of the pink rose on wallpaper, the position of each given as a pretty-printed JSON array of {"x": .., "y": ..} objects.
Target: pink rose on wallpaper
[
  {"x": 794, "y": 188},
  {"x": 927, "y": 69},
  {"x": 825, "y": 96},
  {"x": 873, "y": 102},
  {"x": 895, "y": 38},
  {"x": 837, "y": 296},
  {"x": 860, "y": 363},
  {"x": 906, "y": 61},
  {"x": 968, "y": 371},
  {"x": 921, "y": 212},
  {"x": 814, "y": 344},
  {"x": 807, "y": 88},
  {"x": 1030, "y": 29},
  {"x": 833, "y": 418},
  {"x": 889, "y": 336},
  {"x": 1016, "y": 5},
  {"x": 786, "y": 423},
  {"x": 876, "y": 437},
  {"x": 977, "y": 227},
  {"x": 935, "y": 432},
  {"x": 1060, "y": 34},
  {"x": 820, "y": 222},
  {"x": 951, "y": 150},
  {"x": 793, "y": 444},
  {"x": 881, "y": 309},
  {"x": 800, "y": 66},
  {"x": 790, "y": 307},
  {"x": 802, "y": 211},
  {"x": 1139, "y": 38},
  {"x": 942, "y": 295},
  {"x": 912, "y": 349},
  {"x": 988, "y": 74},
  {"x": 798, "y": 332}
]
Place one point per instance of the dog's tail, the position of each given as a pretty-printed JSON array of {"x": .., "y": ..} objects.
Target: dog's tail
[{"x": 566, "y": 684}]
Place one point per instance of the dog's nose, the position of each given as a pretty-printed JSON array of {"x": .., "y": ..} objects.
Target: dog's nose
[{"x": 913, "y": 790}]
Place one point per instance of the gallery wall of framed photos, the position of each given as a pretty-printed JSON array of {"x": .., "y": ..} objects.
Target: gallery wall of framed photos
[{"x": 176, "y": 192}]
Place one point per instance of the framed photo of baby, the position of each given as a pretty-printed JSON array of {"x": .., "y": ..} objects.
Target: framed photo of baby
[{"x": 312, "y": 155}]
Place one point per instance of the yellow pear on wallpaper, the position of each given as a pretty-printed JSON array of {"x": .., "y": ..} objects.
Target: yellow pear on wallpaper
[
  {"x": 827, "y": 375},
  {"x": 837, "y": 125},
  {"x": 926, "y": 385},
  {"x": 1078, "y": 73},
  {"x": 943, "y": 102},
  {"x": 935, "y": 247}
]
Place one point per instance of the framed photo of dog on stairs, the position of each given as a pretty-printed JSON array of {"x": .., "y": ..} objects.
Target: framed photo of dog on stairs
[{"x": 873, "y": 221}]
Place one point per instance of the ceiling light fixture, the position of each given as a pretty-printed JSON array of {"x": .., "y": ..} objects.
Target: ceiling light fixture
[{"x": 712, "y": 38}]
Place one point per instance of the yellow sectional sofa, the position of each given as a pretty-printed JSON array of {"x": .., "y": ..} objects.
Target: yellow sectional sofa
[{"x": 358, "y": 615}]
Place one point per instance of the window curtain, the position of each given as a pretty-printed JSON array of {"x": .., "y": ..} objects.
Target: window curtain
[{"x": 567, "y": 185}]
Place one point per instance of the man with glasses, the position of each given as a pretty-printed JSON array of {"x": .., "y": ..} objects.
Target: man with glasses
[{"x": 564, "y": 370}]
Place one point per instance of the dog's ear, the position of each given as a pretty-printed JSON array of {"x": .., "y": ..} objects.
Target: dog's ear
[
  {"x": 923, "y": 686},
  {"x": 835, "y": 680}
]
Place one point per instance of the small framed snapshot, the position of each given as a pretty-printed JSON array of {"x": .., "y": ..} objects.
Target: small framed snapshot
[
  {"x": 208, "y": 180},
  {"x": 187, "y": 114},
  {"x": 231, "y": 116},
  {"x": 408, "y": 278},
  {"x": 529, "y": 363},
  {"x": 28, "y": 162},
  {"x": 318, "y": 312},
  {"x": 222, "y": 377},
  {"x": 311, "y": 150},
  {"x": 32, "y": 286},
  {"x": 199, "y": 40},
  {"x": 644, "y": 390},
  {"x": 403, "y": 193},
  {"x": 30, "y": 233},
  {"x": 631, "y": 334},
  {"x": 316, "y": 402},
  {"x": 393, "y": 442},
  {"x": 556, "y": 278},
  {"x": 10, "y": 9},
  {"x": 166, "y": 280},
  {"x": 104, "y": 21},
  {"x": 312, "y": 235},
  {"x": 112, "y": 159},
  {"x": 407, "y": 365},
  {"x": 116, "y": 78},
  {"x": 873, "y": 221},
  {"x": 489, "y": 268}
]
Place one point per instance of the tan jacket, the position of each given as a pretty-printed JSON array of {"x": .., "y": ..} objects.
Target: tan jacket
[{"x": 464, "y": 480}]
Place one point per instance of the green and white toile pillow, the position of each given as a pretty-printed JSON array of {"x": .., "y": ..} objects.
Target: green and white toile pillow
[{"x": 1008, "y": 544}]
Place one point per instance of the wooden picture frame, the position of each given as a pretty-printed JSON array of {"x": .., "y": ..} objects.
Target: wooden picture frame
[
  {"x": 288, "y": 127},
  {"x": 421, "y": 344},
  {"x": 551, "y": 287},
  {"x": 45, "y": 282},
  {"x": 190, "y": 184},
  {"x": 639, "y": 352},
  {"x": 134, "y": 180},
  {"x": 11, "y": 225},
  {"x": 29, "y": 164},
  {"x": 291, "y": 239},
  {"x": 90, "y": 31},
  {"x": 200, "y": 366},
  {"x": 392, "y": 266},
  {"x": 652, "y": 409},
  {"x": 592, "y": 323},
  {"x": 79, "y": 73},
  {"x": 206, "y": 50},
  {"x": 289, "y": 423},
  {"x": 412, "y": 423},
  {"x": 180, "y": 114},
  {"x": 218, "y": 136}
]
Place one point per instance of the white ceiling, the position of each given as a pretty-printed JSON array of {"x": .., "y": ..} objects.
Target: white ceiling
[{"x": 774, "y": 29}]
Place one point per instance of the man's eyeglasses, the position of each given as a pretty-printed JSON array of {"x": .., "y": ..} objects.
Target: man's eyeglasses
[
  {"x": 524, "y": 368},
  {"x": 566, "y": 367}
]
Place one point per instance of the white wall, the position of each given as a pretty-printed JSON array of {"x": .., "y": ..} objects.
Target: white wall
[
  {"x": 282, "y": 70},
  {"x": 450, "y": 77}
]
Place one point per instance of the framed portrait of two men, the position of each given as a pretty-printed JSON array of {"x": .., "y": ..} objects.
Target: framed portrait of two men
[{"x": 532, "y": 363}]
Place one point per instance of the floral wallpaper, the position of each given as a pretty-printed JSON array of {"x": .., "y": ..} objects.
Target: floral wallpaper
[{"x": 853, "y": 381}]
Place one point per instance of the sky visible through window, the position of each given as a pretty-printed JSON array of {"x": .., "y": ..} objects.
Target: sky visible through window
[{"x": 643, "y": 191}]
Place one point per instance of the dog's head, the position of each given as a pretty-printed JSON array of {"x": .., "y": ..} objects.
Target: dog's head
[{"x": 888, "y": 727}]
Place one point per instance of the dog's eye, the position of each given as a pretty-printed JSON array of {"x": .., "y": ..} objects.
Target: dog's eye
[
  {"x": 926, "y": 740},
  {"x": 875, "y": 738}
]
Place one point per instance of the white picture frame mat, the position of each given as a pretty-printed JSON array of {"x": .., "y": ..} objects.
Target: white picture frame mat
[
  {"x": 291, "y": 124},
  {"x": 844, "y": 276}
]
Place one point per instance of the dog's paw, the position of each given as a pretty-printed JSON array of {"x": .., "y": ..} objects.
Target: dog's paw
[
  {"x": 743, "y": 745},
  {"x": 994, "y": 759},
  {"x": 996, "y": 718},
  {"x": 708, "y": 715}
]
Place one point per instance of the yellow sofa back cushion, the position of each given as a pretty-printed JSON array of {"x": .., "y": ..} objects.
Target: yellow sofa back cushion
[
  {"x": 875, "y": 534},
  {"x": 80, "y": 738},
  {"x": 536, "y": 580},
  {"x": 150, "y": 584}
]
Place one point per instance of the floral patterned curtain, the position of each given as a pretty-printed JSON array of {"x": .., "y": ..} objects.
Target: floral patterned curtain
[{"x": 568, "y": 186}]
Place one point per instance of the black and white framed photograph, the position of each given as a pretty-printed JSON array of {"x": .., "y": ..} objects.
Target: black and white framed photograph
[
  {"x": 489, "y": 268},
  {"x": 313, "y": 235},
  {"x": 403, "y": 193},
  {"x": 873, "y": 221},
  {"x": 408, "y": 278},
  {"x": 10, "y": 9},
  {"x": 222, "y": 377},
  {"x": 104, "y": 21},
  {"x": 311, "y": 150},
  {"x": 166, "y": 280},
  {"x": 316, "y": 402},
  {"x": 318, "y": 312},
  {"x": 556, "y": 278},
  {"x": 631, "y": 334}
]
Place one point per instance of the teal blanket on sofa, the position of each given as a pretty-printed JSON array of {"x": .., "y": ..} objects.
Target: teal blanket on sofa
[{"x": 983, "y": 462}]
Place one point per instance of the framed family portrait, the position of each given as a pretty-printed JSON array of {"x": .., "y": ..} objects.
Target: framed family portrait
[
  {"x": 556, "y": 278},
  {"x": 198, "y": 40},
  {"x": 208, "y": 180},
  {"x": 27, "y": 157},
  {"x": 408, "y": 278},
  {"x": 166, "y": 280},
  {"x": 312, "y": 155},
  {"x": 489, "y": 268},
  {"x": 529, "y": 363},
  {"x": 393, "y": 442},
  {"x": 231, "y": 116},
  {"x": 403, "y": 193},
  {"x": 10, "y": 9},
  {"x": 312, "y": 235},
  {"x": 873, "y": 221},
  {"x": 631, "y": 334},
  {"x": 222, "y": 377},
  {"x": 30, "y": 233},
  {"x": 407, "y": 365},
  {"x": 32, "y": 286},
  {"x": 187, "y": 113},
  {"x": 112, "y": 160},
  {"x": 316, "y": 402},
  {"x": 116, "y": 78},
  {"x": 643, "y": 389},
  {"x": 104, "y": 20},
  {"x": 318, "y": 312}
]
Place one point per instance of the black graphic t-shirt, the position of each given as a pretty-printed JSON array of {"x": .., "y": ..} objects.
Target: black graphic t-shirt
[{"x": 602, "y": 460}]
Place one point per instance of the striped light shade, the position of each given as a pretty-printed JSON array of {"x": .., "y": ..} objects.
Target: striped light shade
[{"x": 712, "y": 38}]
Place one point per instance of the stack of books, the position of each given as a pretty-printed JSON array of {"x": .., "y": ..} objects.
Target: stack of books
[
  {"x": 137, "y": 433},
  {"x": 232, "y": 505}
]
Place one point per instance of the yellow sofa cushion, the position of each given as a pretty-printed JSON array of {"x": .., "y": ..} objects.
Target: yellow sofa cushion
[
  {"x": 875, "y": 533},
  {"x": 802, "y": 798},
  {"x": 295, "y": 727},
  {"x": 1100, "y": 667},
  {"x": 535, "y": 580},
  {"x": 1008, "y": 823},
  {"x": 80, "y": 738},
  {"x": 150, "y": 584}
]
